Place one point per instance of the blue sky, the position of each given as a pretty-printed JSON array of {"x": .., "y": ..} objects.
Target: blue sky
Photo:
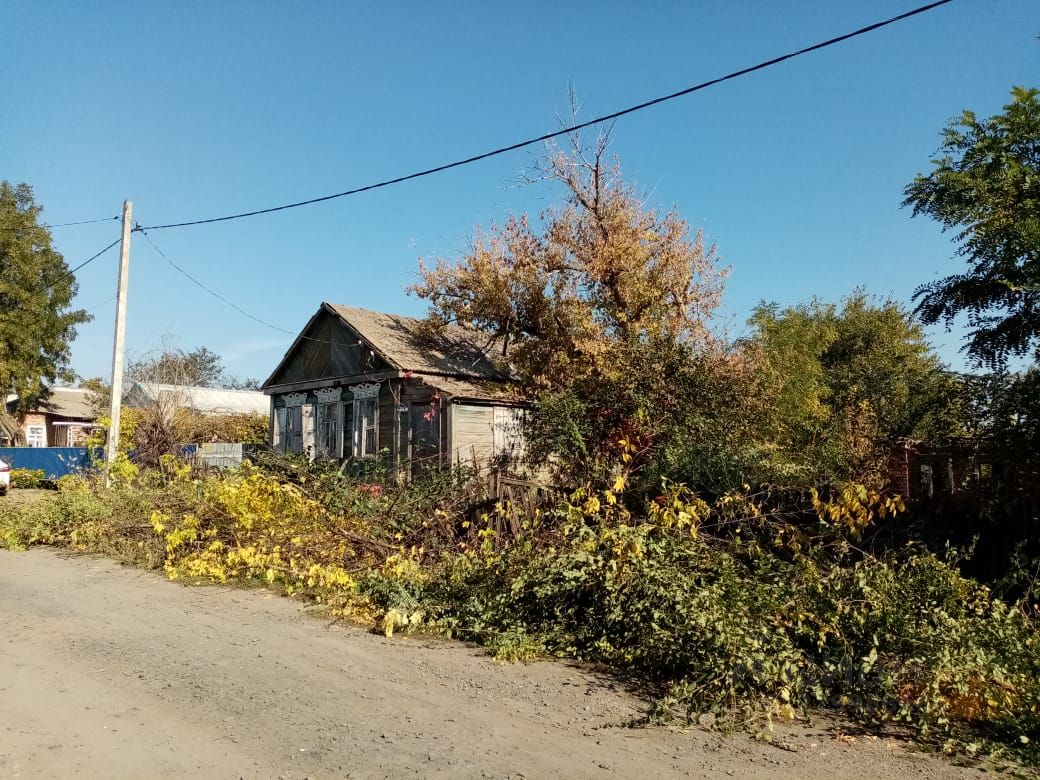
[{"x": 195, "y": 109}]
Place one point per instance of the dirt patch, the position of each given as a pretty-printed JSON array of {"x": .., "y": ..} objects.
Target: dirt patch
[
  {"x": 115, "y": 672},
  {"x": 22, "y": 496}
]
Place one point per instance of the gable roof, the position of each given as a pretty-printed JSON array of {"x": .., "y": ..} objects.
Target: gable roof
[
  {"x": 402, "y": 342},
  {"x": 70, "y": 402},
  {"x": 208, "y": 400}
]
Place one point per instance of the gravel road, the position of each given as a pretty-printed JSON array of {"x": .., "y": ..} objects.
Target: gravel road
[{"x": 108, "y": 671}]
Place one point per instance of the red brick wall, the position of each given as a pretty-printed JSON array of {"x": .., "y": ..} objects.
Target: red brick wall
[{"x": 34, "y": 418}]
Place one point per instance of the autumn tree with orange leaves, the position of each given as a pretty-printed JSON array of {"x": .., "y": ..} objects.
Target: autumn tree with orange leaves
[
  {"x": 600, "y": 271},
  {"x": 600, "y": 309}
]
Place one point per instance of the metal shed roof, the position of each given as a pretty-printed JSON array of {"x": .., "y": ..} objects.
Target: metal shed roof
[{"x": 208, "y": 400}]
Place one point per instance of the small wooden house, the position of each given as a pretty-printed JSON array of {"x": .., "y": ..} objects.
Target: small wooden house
[{"x": 365, "y": 386}]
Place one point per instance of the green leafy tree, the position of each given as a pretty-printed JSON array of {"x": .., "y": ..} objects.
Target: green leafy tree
[
  {"x": 201, "y": 367},
  {"x": 844, "y": 381},
  {"x": 37, "y": 323},
  {"x": 986, "y": 187}
]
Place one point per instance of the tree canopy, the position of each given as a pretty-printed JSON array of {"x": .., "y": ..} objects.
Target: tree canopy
[
  {"x": 600, "y": 310},
  {"x": 200, "y": 367},
  {"x": 602, "y": 270},
  {"x": 842, "y": 382},
  {"x": 986, "y": 186},
  {"x": 37, "y": 323}
]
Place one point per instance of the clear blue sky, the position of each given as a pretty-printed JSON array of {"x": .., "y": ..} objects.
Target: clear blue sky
[{"x": 198, "y": 109}]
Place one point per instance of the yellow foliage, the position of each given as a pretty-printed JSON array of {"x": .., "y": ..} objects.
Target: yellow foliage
[
  {"x": 854, "y": 507},
  {"x": 679, "y": 508},
  {"x": 251, "y": 526}
]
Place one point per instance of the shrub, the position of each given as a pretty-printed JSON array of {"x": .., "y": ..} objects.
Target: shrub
[
  {"x": 752, "y": 604},
  {"x": 742, "y": 624},
  {"x": 27, "y": 478}
]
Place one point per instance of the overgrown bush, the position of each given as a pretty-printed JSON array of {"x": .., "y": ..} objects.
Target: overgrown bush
[
  {"x": 737, "y": 625},
  {"x": 748, "y": 604},
  {"x": 27, "y": 478}
]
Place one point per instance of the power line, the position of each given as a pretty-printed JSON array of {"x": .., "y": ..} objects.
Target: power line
[
  {"x": 232, "y": 304},
  {"x": 67, "y": 224},
  {"x": 214, "y": 293},
  {"x": 83, "y": 222},
  {"x": 571, "y": 128},
  {"x": 92, "y": 259},
  {"x": 99, "y": 304}
]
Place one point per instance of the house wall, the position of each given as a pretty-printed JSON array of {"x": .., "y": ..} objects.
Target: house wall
[
  {"x": 395, "y": 401},
  {"x": 486, "y": 433},
  {"x": 32, "y": 419},
  {"x": 472, "y": 434},
  {"x": 329, "y": 349},
  {"x": 458, "y": 433}
]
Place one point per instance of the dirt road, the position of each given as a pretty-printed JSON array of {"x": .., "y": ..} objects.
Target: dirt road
[{"x": 113, "y": 672}]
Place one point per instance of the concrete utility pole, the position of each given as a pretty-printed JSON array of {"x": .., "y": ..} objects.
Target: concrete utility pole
[{"x": 117, "y": 345}]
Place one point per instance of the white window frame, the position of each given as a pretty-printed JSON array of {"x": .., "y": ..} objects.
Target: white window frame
[
  {"x": 365, "y": 421},
  {"x": 329, "y": 422},
  {"x": 294, "y": 429},
  {"x": 278, "y": 430},
  {"x": 36, "y": 435}
]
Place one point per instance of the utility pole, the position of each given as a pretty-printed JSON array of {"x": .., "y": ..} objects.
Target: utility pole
[{"x": 117, "y": 345}]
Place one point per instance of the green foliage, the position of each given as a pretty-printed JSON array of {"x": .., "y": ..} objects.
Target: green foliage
[
  {"x": 748, "y": 605},
  {"x": 681, "y": 413},
  {"x": 1015, "y": 413},
  {"x": 194, "y": 427},
  {"x": 737, "y": 626},
  {"x": 37, "y": 324},
  {"x": 200, "y": 367},
  {"x": 843, "y": 382},
  {"x": 985, "y": 185},
  {"x": 27, "y": 478}
]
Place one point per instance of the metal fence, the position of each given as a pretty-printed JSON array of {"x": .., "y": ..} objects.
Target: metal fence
[
  {"x": 58, "y": 461},
  {"x": 53, "y": 461}
]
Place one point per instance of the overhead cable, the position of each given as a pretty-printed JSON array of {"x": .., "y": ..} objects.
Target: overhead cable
[
  {"x": 566, "y": 130},
  {"x": 66, "y": 224},
  {"x": 92, "y": 259},
  {"x": 214, "y": 293},
  {"x": 232, "y": 304}
]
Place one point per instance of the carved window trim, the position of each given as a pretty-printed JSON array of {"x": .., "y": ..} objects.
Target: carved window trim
[{"x": 295, "y": 399}]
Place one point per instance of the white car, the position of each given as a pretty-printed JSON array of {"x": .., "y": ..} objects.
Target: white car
[{"x": 5, "y": 477}]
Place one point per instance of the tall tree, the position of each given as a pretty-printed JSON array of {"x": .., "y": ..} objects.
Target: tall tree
[
  {"x": 986, "y": 186},
  {"x": 603, "y": 270},
  {"x": 845, "y": 381},
  {"x": 201, "y": 367},
  {"x": 598, "y": 309},
  {"x": 37, "y": 323}
]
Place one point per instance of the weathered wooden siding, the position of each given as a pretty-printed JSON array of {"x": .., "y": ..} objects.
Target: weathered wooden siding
[
  {"x": 386, "y": 419},
  {"x": 329, "y": 350},
  {"x": 510, "y": 442},
  {"x": 459, "y": 433},
  {"x": 472, "y": 434}
]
